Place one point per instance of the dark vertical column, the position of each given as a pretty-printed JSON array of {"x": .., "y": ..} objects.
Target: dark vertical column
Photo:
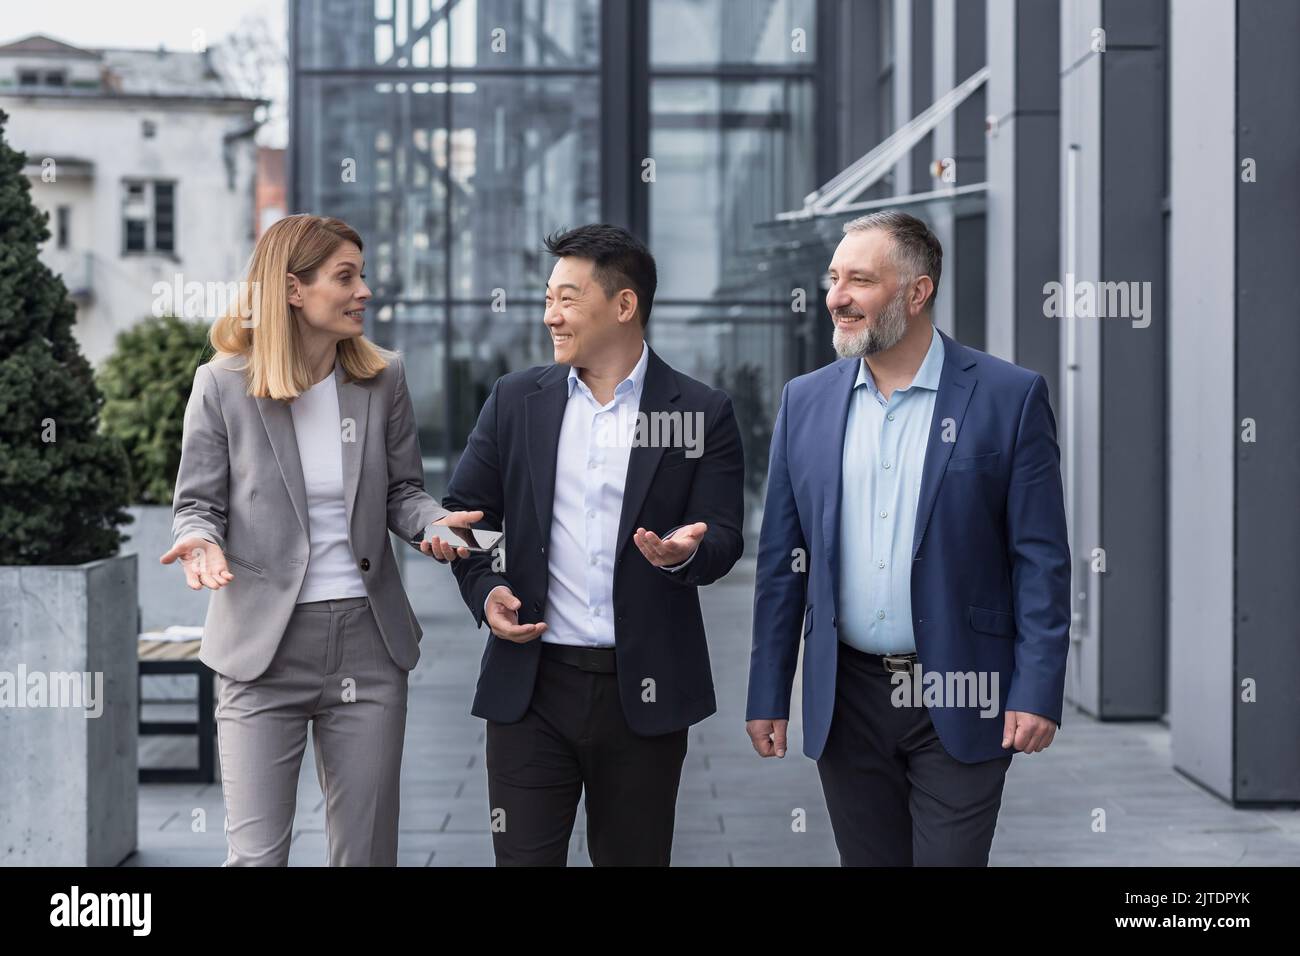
[
  {"x": 1267, "y": 471},
  {"x": 625, "y": 113},
  {"x": 922, "y": 71},
  {"x": 830, "y": 21},
  {"x": 970, "y": 280},
  {"x": 1037, "y": 188},
  {"x": 858, "y": 70},
  {"x": 969, "y": 246},
  {"x": 1132, "y": 389},
  {"x": 971, "y": 55},
  {"x": 291, "y": 153}
]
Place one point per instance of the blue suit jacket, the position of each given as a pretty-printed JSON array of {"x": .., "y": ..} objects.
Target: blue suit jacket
[{"x": 990, "y": 566}]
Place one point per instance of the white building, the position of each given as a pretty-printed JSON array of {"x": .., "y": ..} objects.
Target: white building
[{"x": 144, "y": 160}]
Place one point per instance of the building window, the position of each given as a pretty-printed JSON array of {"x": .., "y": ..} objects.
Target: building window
[
  {"x": 732, "y": 131},
  {"x": 149, "y": 217},
  {"x": 50, "y": 79},
  {"x": 63, "y": 216},
  {"x": 164, "y": 213},
  {"x": 476, "y": 127},
  {"x": 148, "y": 129}
]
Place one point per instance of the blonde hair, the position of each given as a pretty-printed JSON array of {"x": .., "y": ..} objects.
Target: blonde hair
[{"x": 270, "y": 344}]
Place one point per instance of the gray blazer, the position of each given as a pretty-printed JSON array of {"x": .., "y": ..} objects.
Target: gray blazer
[{"x": 240, "y": 485}]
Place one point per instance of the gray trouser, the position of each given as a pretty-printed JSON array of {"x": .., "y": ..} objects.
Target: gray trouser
[{"x": 332, "y": 671}]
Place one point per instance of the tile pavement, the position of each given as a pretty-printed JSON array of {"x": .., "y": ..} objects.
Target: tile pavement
[{"x": 735, "y": 809}]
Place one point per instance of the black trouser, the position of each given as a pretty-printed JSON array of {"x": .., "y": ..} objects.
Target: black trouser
[
  {"x": 574, "y": 737},
  {"x": 895, "y": 796}
]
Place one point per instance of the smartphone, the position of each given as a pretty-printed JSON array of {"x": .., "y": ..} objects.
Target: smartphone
[{"x": 476, "y": 540}]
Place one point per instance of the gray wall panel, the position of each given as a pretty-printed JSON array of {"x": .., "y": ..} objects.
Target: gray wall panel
[
  {"x": 1202, "y": 431},
  {"x": 1268, "y": 350},
  {"x": 1133, "y": 374}
]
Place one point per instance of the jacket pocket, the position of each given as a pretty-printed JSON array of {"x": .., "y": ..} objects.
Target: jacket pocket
[
  {"x": 975, "y": 462},
  {"x": 242, "y": 563},
  {"x": 1001, "y": 623}
]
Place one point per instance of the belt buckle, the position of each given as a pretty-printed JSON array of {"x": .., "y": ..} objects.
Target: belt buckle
[{"x": 898, "y": 663}]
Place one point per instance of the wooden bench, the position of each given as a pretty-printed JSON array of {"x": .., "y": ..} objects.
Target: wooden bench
[{"x": 179, "y": 657}]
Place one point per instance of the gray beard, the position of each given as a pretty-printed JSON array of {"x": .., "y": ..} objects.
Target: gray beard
[{"x": 888, "y": 331}]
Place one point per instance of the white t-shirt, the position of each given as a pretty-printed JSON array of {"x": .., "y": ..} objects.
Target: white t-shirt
[{"x": 331, "y": 569}]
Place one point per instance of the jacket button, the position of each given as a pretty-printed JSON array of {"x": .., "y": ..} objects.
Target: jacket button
[
  {"x": 365, "y": 564},
  {"x": 537, "y": 607},
  {"x": 835, "y": 621}
]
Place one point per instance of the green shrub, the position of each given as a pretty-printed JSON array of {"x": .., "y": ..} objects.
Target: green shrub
[{"x": 146, "y": 384}]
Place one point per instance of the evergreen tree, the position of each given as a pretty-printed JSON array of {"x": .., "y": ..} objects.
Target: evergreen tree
[{"x": 63, "y": 484}]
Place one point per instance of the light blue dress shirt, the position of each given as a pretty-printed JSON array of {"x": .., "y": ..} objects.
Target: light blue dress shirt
[{"x": 884, "y": 453}]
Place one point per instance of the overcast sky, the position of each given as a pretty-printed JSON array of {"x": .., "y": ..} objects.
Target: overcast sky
[{"x": 138, "y": 23}]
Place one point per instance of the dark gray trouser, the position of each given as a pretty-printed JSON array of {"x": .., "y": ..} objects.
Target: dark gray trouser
[
  {"x": 895, "y": 796},
  {"x": 332, "y": 671},
  {"x": 574, "y": 742}
]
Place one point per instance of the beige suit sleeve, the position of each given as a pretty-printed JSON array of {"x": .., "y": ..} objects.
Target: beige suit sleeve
[
  {"x": 410, "y": 507},
  {"x": 199, "y": 505}
]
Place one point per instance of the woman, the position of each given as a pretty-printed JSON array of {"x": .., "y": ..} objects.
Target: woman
[{"x": 299, "y": 454}]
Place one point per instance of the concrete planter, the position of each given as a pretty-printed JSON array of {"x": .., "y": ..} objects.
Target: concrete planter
[
  {"x": 68, "y": 652},
  {"x": 164, "y": 597}
]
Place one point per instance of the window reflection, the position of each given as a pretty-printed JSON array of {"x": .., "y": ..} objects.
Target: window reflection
[{"x": 471, "y": 128}]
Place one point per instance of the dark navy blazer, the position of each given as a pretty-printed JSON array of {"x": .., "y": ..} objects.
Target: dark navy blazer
[{"x": 508, "y": 471}]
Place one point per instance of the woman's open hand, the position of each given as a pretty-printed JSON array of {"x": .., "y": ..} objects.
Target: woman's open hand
[{"x": 204, "y": 563}]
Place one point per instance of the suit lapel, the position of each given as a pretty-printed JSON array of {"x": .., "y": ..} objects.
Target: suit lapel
[
  {"x": 956, "y": 384},
  {"x": 543, "y": 416},
  {"x": 278, "y": 421},
  {"x": 832, "y": 439},
  {"x": 354, "y": 411},
  {"x": 658, "y": 394}
]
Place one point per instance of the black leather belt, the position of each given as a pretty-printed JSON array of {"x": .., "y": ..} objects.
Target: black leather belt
[
  {"x": 598, "y": 660},
  {"x": 889, "y": 663}
]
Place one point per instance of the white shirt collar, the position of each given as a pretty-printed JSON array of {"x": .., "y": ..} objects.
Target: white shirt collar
[{"x": 633, "y": 383}]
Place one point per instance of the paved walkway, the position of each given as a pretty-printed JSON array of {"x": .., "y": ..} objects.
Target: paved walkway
[{"x": 735, "y": 809}]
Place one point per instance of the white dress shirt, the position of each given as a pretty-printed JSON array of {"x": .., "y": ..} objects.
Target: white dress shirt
[
  {"x": 331, "y": 571},
  {"x": 590, "y": 473}
]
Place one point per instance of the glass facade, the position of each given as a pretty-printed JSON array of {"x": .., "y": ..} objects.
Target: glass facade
[{"x": 455, "y": 134}]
